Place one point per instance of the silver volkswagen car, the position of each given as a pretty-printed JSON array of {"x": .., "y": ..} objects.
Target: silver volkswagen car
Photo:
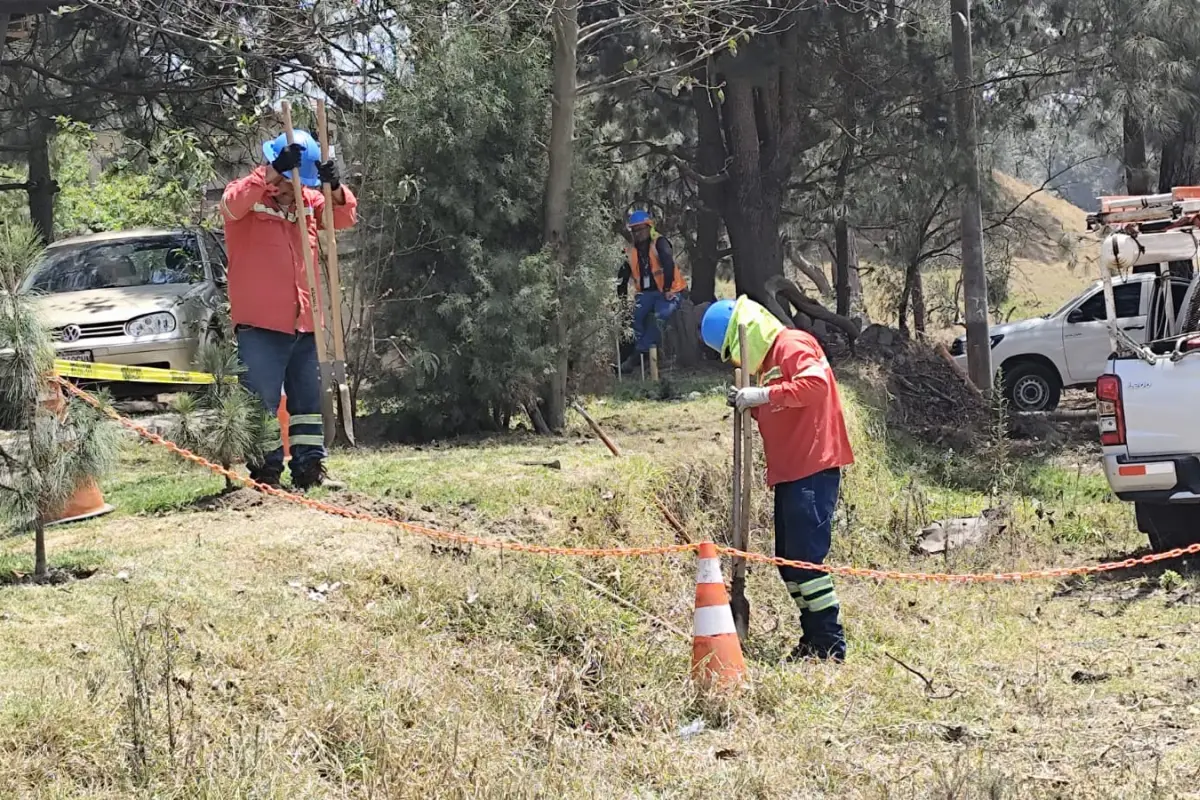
[{"x": 141, "y": 298}]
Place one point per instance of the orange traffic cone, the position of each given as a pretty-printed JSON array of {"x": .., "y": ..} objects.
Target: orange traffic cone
[
  {"x": 284, "y": 421},
  {"x": 87, "y": 501},
  {"x": 716, "y": 651}
]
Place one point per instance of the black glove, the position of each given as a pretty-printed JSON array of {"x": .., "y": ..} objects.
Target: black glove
[
  {"x": 328, "y": 172},
  {"x": 288, "y": 159}
]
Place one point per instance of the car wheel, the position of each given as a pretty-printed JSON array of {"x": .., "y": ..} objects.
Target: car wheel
[
  {"x": 1030, "y": 386},
  {"x": 1168, "y": 526}
]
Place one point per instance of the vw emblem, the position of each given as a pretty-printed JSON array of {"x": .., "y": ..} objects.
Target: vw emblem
[{"x": 71, "y": 333}]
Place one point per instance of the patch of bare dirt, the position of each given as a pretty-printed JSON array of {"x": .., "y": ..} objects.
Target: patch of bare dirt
[{"x": 240, "y": 499}]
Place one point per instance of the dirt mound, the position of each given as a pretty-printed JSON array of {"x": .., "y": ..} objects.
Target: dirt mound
[
  {"x": 930, "y": 398},
  {"x": 239, "y": 499}
]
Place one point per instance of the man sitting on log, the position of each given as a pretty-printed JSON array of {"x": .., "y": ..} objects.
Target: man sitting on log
[{"x": 658, "y": 280}]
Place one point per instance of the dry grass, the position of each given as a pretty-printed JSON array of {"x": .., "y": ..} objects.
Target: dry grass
[{"x": 206, "y": 661}]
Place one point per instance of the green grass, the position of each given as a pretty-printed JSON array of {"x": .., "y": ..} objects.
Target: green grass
[{"x": 217, "y": 667}]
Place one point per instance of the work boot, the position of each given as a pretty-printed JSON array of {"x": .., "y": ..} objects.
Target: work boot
[
  {"x": 266, "y": 475},
  {"x": 312, "y": 475},
  {"x": 806, "y": 650}
]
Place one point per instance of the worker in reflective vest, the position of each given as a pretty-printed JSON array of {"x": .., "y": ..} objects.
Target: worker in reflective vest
[
  {"x": 799, "y": 415},
  {"x": 650, "y": 262}
]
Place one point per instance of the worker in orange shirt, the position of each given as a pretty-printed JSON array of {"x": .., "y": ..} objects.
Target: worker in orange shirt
[
  {"x": 799, "y": 415},
  {"x": 269, "y": 297}
]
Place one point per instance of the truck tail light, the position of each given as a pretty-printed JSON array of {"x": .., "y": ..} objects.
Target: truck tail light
[{"x": 1110, "y": 410}]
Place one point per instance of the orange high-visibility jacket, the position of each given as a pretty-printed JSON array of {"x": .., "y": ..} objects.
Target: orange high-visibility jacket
[
  {"x": 678, "y": 284},
  {"x": 803, "y": 428},
  {"x": 268, "y": 286}
]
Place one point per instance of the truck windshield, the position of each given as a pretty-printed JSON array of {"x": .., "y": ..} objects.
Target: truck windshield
[{"x": 117, "y": 264}]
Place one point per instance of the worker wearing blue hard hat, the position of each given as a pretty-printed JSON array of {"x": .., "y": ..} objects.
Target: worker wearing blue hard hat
[
  {"x": 799, "y": 414},
  {"x": 658, "y": 280},
  {"x": 269, "y": 299}
]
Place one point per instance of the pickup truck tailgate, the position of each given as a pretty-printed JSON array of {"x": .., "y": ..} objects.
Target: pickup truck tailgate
[{"x": 1160, "y": 403}]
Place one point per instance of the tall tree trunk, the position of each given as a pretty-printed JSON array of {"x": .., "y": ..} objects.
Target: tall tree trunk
[
  {"x": 1133, "y": 151},
  {"x": 979, "y": 351},
  {"x": 918, "y": 301},
  {"x": 39, "y": 547},
  {"x": 912, "y": 296},
  {"x": 753, "y": 214},
  {"x": 1177, "y": 165},
  {"x": 565, "y": 24},
  {"x": 41, "y": 182},
  {"x": 710, "y": 161},
  {"x": 841, "y": 235}
]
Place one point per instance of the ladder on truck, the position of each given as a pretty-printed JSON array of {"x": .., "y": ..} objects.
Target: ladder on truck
[{"x": 1149, "y": 233}]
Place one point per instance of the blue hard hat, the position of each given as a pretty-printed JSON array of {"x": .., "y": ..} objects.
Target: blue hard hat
[
  {"x": 715, "y": 324},
  {"x": 640, "y": 218},
  {"x": 310, "y": 155}
]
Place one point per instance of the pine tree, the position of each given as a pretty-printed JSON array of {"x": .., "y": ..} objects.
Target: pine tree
[
  {"x": 63, "y": 443},
  {"x": 224, "y": 422}
]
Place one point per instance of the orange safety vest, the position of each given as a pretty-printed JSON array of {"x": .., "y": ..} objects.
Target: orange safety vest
[{"x": 656, "y": 272}]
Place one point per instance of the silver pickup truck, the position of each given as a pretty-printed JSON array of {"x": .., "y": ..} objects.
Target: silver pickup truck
[{"x": 1149, "y": 396}]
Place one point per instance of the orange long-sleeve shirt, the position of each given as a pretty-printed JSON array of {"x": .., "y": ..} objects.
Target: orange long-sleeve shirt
[
  {"x": 268, "y": 286},
  {"x": 803, "y": 429}
]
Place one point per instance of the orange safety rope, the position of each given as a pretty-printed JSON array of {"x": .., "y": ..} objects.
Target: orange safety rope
[{"x": 619, "y": 552}]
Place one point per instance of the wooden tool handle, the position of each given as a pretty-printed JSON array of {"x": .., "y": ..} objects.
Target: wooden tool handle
[
  {"x": 302, "y": 225},
  {"x": 331, "y": 257}
]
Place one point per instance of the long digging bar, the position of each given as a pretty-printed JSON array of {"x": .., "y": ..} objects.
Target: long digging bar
[
  {"x": 743, "y": 468},
  {"x": 737, "y": 601},
  {"x": 345, "y": 406},
  {"x": 327, "y": 414}
]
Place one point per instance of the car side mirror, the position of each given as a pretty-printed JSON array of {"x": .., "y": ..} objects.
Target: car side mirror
[{"x": 1075, "y": 316}]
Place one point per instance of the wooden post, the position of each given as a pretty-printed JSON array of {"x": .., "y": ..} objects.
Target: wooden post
[
  {"x": 654, "y": 364},
  {"x": 335, "y": 293}
]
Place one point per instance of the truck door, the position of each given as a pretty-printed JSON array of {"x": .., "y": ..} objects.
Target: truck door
[{"x": 1086, "y": 345}]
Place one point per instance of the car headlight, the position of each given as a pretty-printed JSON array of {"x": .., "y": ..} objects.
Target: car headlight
[
  {"x": 997, "y": 338},
  {"x": 151, "y": 324}
]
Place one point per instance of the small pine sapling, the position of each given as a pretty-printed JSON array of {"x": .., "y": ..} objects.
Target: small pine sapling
[
  {"x": 223, "y": 422},
  {"x": 62, "y": 443}
]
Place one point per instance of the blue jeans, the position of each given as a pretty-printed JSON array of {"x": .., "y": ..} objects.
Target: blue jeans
[
  {"x": 651, "y": 304},
  {"x": 803, "y": 530},
  {"x": 286, "y": 362}
]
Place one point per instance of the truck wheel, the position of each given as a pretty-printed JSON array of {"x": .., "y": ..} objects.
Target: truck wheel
[
  {"x": 1168, "y": 526},
  {"x": 1030, "y": 386}
]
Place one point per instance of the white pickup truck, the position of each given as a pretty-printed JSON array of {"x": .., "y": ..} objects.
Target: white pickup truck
[
  {"x": 1040, "y": 357},
  {"x": 1148, "y": 398}
]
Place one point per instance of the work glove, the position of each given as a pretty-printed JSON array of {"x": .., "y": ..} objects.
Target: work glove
[
  {"x": 288, "y": 159},
  {"x": 328, "y": 172},
  {"x": 750, "y": 397}
]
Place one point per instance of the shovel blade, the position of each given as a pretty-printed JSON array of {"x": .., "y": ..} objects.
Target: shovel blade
[
  {"x": 346, "y": 412},
  {"x": 739, "y": 604}
]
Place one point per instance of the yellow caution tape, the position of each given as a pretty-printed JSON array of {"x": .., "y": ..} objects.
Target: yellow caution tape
[{"x": 115, "y": 372}]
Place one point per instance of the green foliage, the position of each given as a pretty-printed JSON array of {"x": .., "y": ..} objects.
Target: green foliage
[
  {"x": 452, "y": 205},
  {"x": 159, "y": 186},
  {"x": 224, "y": 422},
  {"x": 61, "y": 446}
]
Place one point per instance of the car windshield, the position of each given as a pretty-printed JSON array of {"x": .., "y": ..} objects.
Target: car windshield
[
  {"x": 1065, "y": 307},
  {"x": 117, "y": 264}
]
